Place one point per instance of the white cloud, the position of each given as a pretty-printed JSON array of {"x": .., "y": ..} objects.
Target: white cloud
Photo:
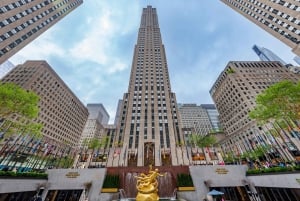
[
  {"x": 95, "y": 41},
  {"x": 102, "y": 31},
  {"x": 40, "y": 49}
]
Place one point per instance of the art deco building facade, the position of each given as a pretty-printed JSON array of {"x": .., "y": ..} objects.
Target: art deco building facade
[
  {"x": 280, "y": 18},
  {"x": 149, "y": 128},
  {"x": 234, "y": 94},
  {"x": 22, "y": 21},
  {"x": 61, "y": 112}
]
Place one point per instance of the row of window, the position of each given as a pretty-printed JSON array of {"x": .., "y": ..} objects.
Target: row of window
[
  {"x": 32, "y": 31},
  {"x": 262, "y": 16}
]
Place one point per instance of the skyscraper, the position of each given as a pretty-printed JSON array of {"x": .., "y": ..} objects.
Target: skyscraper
[
  {"x": 22, "y": 21},
  {"x": 62, "y": 114},
  {"x": 149, "y": 130},
  {"x": 98, "y": 117},
  {"x": 266, "y": 55},
  {"x": 234, "y": 94},
  {"x": 278, "y": 17}
]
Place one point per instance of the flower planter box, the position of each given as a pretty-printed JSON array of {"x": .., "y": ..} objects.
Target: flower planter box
[
  {"x": 109, "y": 190},
  {"x": 186, "y": 188}
]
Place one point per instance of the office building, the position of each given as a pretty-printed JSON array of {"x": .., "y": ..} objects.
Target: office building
[
  {"x": 98, "y": 117},
  {"x": 98, "y": 111},
  {"x": 280, "y": 18},
  {"x": 195, "y": 118},
  {"x": 266, "y": 55},
  {"x": 61, "y": 112},
  {"x": 149, "y": 129},
  {"x": 5, "y": 68},
  {"x": 22, "y": 21},
  {"x": 234, "y": 94}
]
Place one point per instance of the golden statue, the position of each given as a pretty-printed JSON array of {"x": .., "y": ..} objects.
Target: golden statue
[{"x": 147, "y": 186}]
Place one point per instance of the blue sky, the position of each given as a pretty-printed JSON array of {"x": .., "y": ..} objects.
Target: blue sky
[{"x": 91, "y": 49}]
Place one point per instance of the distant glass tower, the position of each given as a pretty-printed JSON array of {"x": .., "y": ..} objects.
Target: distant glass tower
[
  {"x": 149, "y": 130},
  {"x": 280, "y": 18},
  {"x": 297, "y": 60},
  {"x": 213, "y": 115},
  {"x": 23, "y": 21},
  {"x": 5, "y": 68},
  {"x": 267, "y": 55}
]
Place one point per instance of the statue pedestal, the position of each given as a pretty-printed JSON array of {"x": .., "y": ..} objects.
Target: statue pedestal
[{"x": 147, "y": 197}]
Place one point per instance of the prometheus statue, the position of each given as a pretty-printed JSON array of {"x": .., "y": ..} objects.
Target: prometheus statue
[{"x": 147, "y": 185}]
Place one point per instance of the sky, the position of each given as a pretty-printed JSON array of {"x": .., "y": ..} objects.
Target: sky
[{"x": 91, "y": 49}]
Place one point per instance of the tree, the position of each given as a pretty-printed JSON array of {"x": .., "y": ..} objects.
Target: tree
[
  {"x": 94, "y": 144},
  {"x": 203, "y": 140},
  {"x": 18, "y": 107},
  {"x": 280, "y": 105},
  {"x": 16, "y": 100},
  {"x": 279, "y": 101},
  {"x": 18, "y": 110}
]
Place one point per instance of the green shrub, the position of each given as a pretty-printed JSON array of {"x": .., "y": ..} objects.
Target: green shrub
[
  {"x": 23, "y": 174},
  {"x": 297, "y": 167},
  {"x": 184, "y": 180},
  {"x": 254, "y": 171},
  {"x": 111, "y": 181},
  {"x": 273, "y": 169}
]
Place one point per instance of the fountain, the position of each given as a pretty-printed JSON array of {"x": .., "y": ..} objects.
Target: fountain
[{"x": 147, "y": 185}]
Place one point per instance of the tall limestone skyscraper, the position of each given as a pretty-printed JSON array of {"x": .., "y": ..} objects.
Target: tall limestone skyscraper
[
  {"x": 149, "y": 130},
  {"x": 22, "y": 21},
  {"x": 278, "y": 17}
]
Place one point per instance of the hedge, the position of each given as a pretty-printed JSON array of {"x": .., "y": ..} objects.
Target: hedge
[
  {"x": 184, "y": 180},
  {"x": 23, "y": 174}
]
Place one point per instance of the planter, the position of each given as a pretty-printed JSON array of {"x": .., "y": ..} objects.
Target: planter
[
  {"x": 109, "y": 190},
  {"x": 186, "y": 188}
]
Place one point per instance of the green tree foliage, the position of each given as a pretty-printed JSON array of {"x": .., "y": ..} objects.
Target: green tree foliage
[
  {"x": 202, "y": 140},
  {"x": 279, "y": 101},
  {"x": 16, "y": 100},
  {"x": 19, "y": 107},
  {"x": 94, "y": 143}
]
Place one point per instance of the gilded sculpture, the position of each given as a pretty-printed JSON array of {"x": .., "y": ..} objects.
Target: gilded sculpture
[{"x": 147, "y": 185}]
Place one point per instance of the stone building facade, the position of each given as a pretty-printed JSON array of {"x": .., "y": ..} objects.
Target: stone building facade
[
  {"x": 22, "y": 21},
  {"x": 280, "y": 18}
]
